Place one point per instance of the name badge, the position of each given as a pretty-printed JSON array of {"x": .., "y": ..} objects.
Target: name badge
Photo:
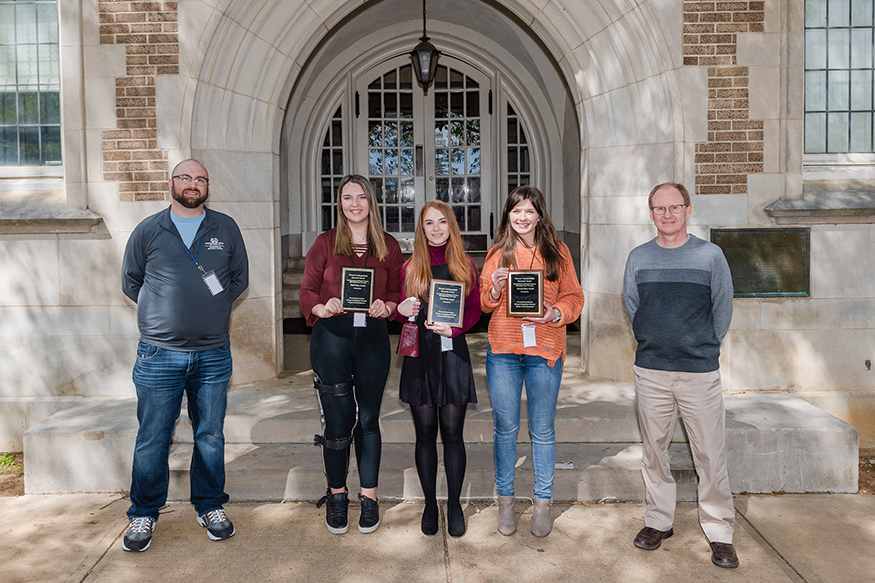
[
  {"x": 446, "y": 344},
  {"x": 213, "y": 283},
  {"x": 529, "y": 336},
  {"x": 358, "y": 320}
]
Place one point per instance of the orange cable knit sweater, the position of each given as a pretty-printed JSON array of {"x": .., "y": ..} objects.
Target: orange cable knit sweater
[{"x": 505, "y": 334}]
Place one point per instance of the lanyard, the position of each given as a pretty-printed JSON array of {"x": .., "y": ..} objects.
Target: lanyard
[{"x": 199, "y": 247}]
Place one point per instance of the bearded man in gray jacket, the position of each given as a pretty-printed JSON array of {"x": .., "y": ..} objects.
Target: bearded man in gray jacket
[{"x": 184, "y": 267}]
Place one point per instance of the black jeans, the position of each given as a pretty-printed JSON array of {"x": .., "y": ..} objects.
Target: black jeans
[{"x": 339, "y": 352}]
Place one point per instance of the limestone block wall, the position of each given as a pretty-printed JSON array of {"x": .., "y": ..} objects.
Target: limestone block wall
[
  {"x": 742, "y": 61},
  {"x": 66, "y": 330},
  {"x": 712, "y": 101}
]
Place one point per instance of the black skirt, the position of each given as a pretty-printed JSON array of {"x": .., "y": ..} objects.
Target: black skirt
[{"x": 437, "y": 378}]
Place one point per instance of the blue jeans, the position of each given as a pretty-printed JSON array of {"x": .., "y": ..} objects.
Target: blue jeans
[
  {"x": 162, "y": 377},
  {"x": 505, "y": 374}
]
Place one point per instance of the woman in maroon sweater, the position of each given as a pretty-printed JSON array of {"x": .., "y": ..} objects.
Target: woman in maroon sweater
[
  {"x": 350, "y": 353},
  {"x": 439, "y": 383}
]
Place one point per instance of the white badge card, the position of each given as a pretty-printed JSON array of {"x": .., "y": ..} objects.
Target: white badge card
[
  {"x": 213, "y": 283},
  {"x": 446, "y": 344},
  {"x": 529, "y": 336},
  {"x": 358, "y": 320}
]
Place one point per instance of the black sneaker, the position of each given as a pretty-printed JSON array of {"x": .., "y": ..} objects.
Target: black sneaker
[
  {"x": 336, "y": 511},
  {"x": 139, "y": 534},
  {"x": 217, "y": 523},
  {"x": 369, "y": 521}
]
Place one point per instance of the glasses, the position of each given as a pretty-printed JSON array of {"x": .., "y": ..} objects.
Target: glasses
[
  {"x": 675, "y": 209},
  {"x": 186, "y": 179}
]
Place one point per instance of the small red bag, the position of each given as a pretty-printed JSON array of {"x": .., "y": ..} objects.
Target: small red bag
[{"x": 408, "y": 343}]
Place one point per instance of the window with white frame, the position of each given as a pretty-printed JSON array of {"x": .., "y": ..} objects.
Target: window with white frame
[
  {"x": 456, "y": 117},
  {"x": 519, "y": 170},
  {"x": 839, "y": 58},
  {"x": 330, "y": 170},
  {"x": 30, "y": 108}
]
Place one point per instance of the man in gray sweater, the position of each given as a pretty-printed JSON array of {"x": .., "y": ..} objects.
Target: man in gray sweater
[
  {"x": 678, "y": 294},
  {"x": 184, "y": 267}
]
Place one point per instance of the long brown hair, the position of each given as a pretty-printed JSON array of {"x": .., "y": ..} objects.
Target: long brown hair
[
  {"x": 417, "y": 277},
  {"x": 376, "y": 238},
  {"x": 545, "y": 234}
]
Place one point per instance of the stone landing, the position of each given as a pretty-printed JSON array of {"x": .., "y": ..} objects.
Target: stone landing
[{"x": 775, "y": 443}]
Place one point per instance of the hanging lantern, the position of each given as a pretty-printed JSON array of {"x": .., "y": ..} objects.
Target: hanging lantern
[{"x": 425, "y": 58}]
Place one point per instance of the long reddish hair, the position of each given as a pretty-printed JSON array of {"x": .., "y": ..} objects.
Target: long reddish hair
[{"x": 418, "y": 276}]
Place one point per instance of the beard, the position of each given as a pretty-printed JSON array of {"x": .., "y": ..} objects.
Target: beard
[{"x": 190, "y": 202}]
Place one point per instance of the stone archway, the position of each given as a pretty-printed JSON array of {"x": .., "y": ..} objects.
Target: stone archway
[{"x": 614, "y": 60}]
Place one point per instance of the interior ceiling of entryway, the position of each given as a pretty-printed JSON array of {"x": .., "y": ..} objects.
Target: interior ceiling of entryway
[{"x": 487, "y": 20}]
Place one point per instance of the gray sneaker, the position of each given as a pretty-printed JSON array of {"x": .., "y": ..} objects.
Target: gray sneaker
[
  {"x": 217, "y": 523},
  {"x": 139, "y": 535}
]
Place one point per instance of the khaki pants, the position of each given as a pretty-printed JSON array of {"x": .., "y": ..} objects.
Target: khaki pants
[{"x": 659, "y": 395}]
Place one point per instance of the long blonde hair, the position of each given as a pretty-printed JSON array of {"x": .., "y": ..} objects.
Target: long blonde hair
[
  {"x": 418, "y": 276},
  {"x": 376, "y": 238}
]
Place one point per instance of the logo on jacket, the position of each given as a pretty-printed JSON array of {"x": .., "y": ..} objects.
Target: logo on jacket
[{"x": 215, "y": 245}]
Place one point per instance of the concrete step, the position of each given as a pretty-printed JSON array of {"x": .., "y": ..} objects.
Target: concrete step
[
  {"x": 293, "y": 472},
  {"x": 775, "y": 442},
  {"x": 295, "y": 264},
  {"x": 292, "y": 279}
]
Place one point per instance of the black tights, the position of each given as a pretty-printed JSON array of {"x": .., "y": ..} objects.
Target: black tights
[{"x": 451, "y": 419}]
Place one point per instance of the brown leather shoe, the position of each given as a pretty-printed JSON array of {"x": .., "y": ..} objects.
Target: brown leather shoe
[
  {"x": 649, "y": 539},
  {"x": 723, "y": 555}
]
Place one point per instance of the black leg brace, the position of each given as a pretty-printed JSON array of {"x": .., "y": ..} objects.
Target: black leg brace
[{"x": 338, "y": 390}]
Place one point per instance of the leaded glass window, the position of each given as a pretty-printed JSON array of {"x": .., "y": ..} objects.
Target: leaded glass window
[
  {"x": 457, "y": 141},
  {"x": 30, "y": 107},
  {"x": 331, "y": 169},
  {"x": 839, "y": 49},
  {"x": 391, "y": 147},
  {"x": 519, "y": 170}
]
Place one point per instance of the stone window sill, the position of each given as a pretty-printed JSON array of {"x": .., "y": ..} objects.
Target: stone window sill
[
  {"x": 41, "y": 220},
  {"x": 827, "y": 202}
]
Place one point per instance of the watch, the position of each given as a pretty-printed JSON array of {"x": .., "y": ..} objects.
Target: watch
[{"x": 557, "y": 318}]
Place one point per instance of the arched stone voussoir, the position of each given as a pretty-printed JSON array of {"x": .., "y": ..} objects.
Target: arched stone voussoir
[{"x": 257, "y": 49}]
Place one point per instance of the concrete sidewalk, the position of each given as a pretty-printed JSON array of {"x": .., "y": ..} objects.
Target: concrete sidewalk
[{"x": 77, "y": 538}]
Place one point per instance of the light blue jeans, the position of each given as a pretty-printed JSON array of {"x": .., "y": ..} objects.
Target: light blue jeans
[
  {"x": 505, "y": 374},
  {"x": 162, "y": 377}
]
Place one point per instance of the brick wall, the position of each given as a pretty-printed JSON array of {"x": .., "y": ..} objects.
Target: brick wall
[
  {"x": 735, "y": 142},
  {"x": 130, "y": 153}
]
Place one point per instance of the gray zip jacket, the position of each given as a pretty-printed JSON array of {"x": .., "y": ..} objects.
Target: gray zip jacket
[{"x": 175, "y": 309}]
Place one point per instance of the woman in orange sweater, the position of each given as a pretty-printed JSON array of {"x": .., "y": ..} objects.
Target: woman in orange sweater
[{"x": 527, "y": 350}]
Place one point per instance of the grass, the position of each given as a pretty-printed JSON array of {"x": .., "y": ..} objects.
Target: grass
[{"x": 7, "y": 464}]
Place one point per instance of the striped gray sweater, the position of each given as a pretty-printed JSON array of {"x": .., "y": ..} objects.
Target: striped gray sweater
[{"x": 680, "y": 304}]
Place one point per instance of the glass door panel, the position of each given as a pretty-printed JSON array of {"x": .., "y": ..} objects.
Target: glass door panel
[
  {"x": 423, "y": 147},
  {"x": 458, "y": 150},
  {"x": 390, "y": 147}
]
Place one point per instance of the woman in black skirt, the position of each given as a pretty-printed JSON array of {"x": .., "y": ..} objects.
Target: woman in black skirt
[{"x": 439, "y": 383}]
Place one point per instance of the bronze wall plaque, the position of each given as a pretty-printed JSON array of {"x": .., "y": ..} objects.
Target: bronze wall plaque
[{"x": 767, "y": 262}]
